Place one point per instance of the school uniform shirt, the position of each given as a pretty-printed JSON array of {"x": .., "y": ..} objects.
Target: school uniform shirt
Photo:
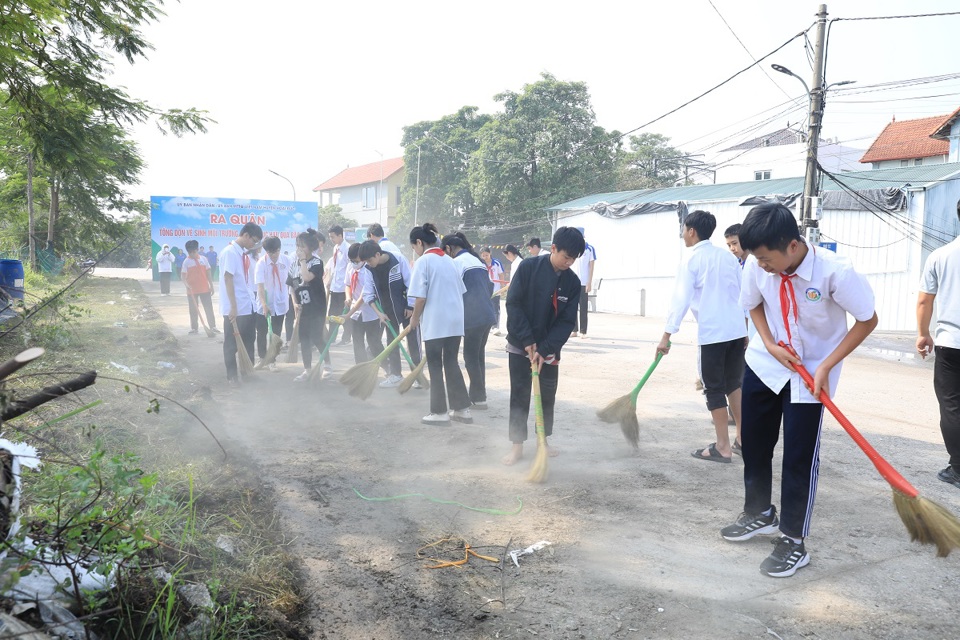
[
  {"x": 495, "y": 272},
  {"x": 941, "y": 277},
  {"x": 390, "y": 288},
  {"x": 582, "y": 265},
  {"x": 360, "y": 280},
  {"x": 194, "y": 274},
  {"x": 813, "y": 317},
  {"x": 437, "y": 279},
  {"x": 390, "y": 247},
  {"x": 211, "y": 257},
  {"x": 311, "y": 296},
  {"x": 477, "y": 303},
  {"x": 273, "y": 276},
  {"x": 541, "y": 307},
  {"x": 338, "y": 267},
  {"x": 235, "y": 261},
  {"x": 708, "y": 283}
]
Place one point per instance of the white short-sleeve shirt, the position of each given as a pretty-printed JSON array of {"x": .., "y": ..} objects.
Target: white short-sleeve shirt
[
  {"x": 437, "y": 278},
  {"x": 274, "y": 282},
  {"x": 941, "y": 277},
  {"x": 231, "y": 261},
  {"x": 826, "y": 288}
]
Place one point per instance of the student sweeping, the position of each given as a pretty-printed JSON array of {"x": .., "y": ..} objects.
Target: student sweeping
[
  {"x": 541, "y": 312},
  {"x": 437, "y": 291},
  {"x": 477, "y": 313},
  {"x": 708, "y": 283},
  {"x": 311, "y": 297},
  {"x": 236, "y": 271},
  {"x": 198, "y": 280},
  {"x": 799, "y": 295},
  {"x": 365, "y": 324},
  {"x": 271, "y": 280},
  {"x": 338, "y": 279},
  {"x": 390, "y": 293}
]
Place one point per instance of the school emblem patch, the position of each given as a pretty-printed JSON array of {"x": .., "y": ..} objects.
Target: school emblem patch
[{"x": 814, "y": 295}]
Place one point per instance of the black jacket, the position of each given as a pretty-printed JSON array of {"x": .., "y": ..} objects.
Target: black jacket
[{"x": 535, "y": 315}]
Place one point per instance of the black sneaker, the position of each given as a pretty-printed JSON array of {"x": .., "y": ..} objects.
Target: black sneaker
[
  {"x": 787, "y": 557},
  {"x": 748, "y": 525},
  {"x": 950, "y": 476}
]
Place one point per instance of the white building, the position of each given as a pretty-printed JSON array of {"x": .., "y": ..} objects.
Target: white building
[
  {"x": 368, "y": 193},
  {"x": 885, "y": 221}
]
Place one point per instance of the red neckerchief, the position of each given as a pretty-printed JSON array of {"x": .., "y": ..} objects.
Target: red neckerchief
[
  {"x": 435, "y": 251},
  {"x": 354, "y": 281},
  {"x": 788, "y": 299},
  {"x": 556, "y": 310},
  {"x": 246, "y": 267},
  {"x": 276, "y": 274}
]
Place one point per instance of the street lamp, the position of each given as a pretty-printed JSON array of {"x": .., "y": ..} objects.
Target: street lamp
[
  {"x": 288, "y": 180},
  {"x": 416, "y": 195},
  {"x": 380, "y": 191}
]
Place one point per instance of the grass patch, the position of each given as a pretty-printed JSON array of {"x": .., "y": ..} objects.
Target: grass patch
[{"x": 132, "y": 484}]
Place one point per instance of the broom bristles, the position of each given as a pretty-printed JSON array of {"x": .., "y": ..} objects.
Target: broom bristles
[
  {"x": 630, "y": 427},
  {"x": 412, "y": 377},
  {"x": 538, "y": 470},
  {"x": 616, "y": 410},
  {"x": 243, "y": 358},
  {"x": 203, "y": 322},
  {"x": 928, "y": 522},
  {"x": 361, "y": 379}
]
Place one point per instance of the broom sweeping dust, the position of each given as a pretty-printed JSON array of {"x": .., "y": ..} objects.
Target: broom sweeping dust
[
  {"x": 243, "y": 358},
  {"x": 274, "y": 345},
  {"x": 315, "y": 375},
  {"x": 210, "y": 333},
  {"x": 421, "y": 377},
  {"x": 624, "y": 409},
  {"x": 538, "y": 470},
  {"x": 925, "y": 520},
  {"x": 360, "y": 379}
]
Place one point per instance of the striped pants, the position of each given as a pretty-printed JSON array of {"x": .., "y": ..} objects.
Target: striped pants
[{"x": 763, "y": 411}]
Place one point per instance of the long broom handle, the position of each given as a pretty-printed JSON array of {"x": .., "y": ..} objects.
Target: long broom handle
[
  {"x": 393, "y": 345},
  {"x": 537, "y": 401},
  {"x": 886, "y": 470},
  {"x": 394, "y": 334},
  {"x": 646, "y": 376}
]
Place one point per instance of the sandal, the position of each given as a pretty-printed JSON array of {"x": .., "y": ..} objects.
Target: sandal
[{"x": 714, "y": 454}]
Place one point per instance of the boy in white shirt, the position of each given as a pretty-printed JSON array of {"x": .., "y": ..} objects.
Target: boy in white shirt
[
  {"x": 338, "y": 280},
  {"x": 236, "y": 304},
  {"x": 800, "y": 296},
  {"x": 271, "y": 280},
  {"x": 708, "y": 282}
]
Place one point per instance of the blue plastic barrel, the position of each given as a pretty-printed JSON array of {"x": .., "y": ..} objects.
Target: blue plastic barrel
[{"x": 11, "y": 278}]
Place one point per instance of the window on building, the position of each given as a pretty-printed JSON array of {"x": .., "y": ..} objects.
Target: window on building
[
  {"x": 369, "y": 197},
  {"x": 904, "y": 163},
  {"x": 918, "y": 162},
  {"x": 398, "y": 195},
  {"x": 761, "y": 175}
]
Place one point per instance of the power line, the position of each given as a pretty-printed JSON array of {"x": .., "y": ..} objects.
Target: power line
[{"x": 915, "y": 15}]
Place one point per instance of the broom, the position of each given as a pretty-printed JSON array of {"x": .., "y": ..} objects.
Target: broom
[
  {"x": 362, "y": 378},
  {"x": 294, "y": 345},
  {"x": 206, "y": 329},
  {"x": 243, "y": 358},
  {"x": 274, "y": 343},
  {"x": 424, "y": 382},
  {"x": 314, "y": 372},
  {"x": 538, "y": 471},
  {"x": 624, "y": 409},
  {"x": 925, "y": 520},
  {"x": 412, "y": 377}
]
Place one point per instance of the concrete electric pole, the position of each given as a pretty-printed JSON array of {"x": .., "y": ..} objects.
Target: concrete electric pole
[{"x": 809, "y": 223}]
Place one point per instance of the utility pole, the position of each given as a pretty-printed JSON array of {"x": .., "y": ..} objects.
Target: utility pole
[{"x": 809, "y": 225}]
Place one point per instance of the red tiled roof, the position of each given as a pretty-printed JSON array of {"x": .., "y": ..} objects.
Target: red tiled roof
[
  {"x": 908, "y": 139},
  {"x": 364, "y": 174}
]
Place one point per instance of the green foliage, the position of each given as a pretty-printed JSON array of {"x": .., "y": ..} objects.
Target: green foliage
[
  {"x": 331, "y": 215},
  {"x": 650, "y": 163}
]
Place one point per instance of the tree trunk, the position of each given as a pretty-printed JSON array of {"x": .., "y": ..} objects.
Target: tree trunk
[
  {"x": 54, "y": 212},
  {"x": 31, "y": 219}
]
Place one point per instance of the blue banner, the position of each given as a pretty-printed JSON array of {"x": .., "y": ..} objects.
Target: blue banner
[{"x": 215, "y": 222}]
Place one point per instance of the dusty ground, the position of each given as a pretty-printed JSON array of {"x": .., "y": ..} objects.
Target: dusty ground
[{"x": 635, "y": 547}]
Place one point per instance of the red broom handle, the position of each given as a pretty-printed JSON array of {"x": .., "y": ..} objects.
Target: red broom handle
[{"x": 886, "y": 470}]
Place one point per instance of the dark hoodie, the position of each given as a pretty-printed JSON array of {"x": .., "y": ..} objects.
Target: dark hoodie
[{"x": 542, "y": 306}]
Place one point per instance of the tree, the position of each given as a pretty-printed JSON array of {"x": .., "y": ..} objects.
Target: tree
[
  {"x": 445, "y": 147},
  {"x": 544, "y": 148},
  {"x": 650, "y": 163},
  {"x": 331, "y": 215}
]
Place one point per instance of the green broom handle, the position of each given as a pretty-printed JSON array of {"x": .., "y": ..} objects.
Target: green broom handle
[
  {"x": 646, "y": 376},
  {"x": 394, "y": 334},
  {"x": 537, "y": 402}
]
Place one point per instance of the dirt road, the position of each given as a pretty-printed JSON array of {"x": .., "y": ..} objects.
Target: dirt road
[{"x": 635, "y": 550}]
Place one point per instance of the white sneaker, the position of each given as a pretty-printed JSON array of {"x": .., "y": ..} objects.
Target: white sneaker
[
  {"x": 436, "y": 418},
  {"x": 463, "y": 415},
  {"x": 303, "y": 376},
  {"x": 391, "y": 382},
  {"x": 480, "y": 406},
  {"x": 273, "y": 367},
  {"x": 417, "y": 385},
  {"x": 327, "y": 373}
]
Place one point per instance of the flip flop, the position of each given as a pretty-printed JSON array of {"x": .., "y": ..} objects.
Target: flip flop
[
  {"x": 714, "y": 455},
  {"x": 737, "y": 449}
]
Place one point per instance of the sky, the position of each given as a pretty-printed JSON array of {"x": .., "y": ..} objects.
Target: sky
[{"x": 306, "y": 88}]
